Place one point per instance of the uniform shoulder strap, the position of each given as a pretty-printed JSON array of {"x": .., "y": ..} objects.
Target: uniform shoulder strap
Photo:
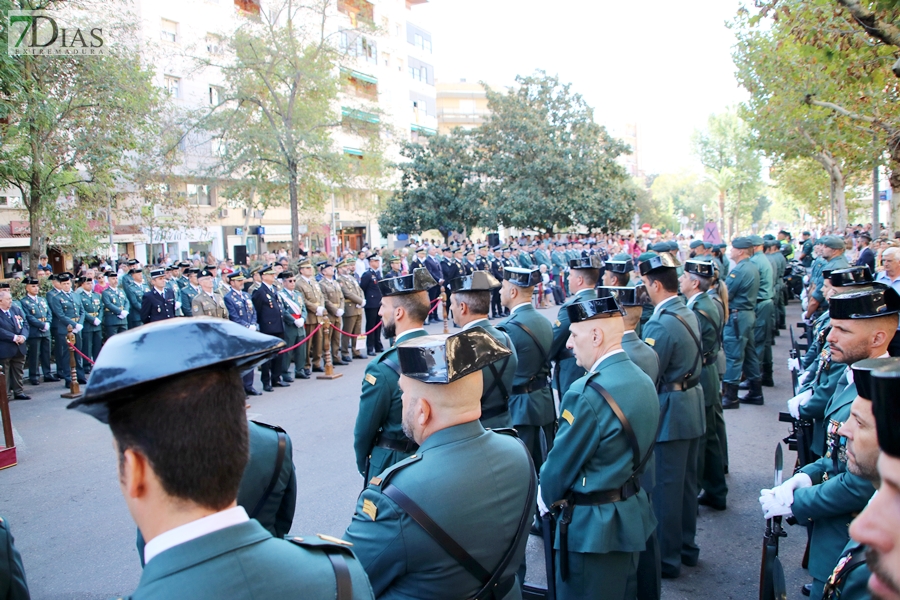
[
  {"x": 623, "y": 420},
  {"x": 526, "y": 329},
  {"x": 336, "y": 550},
  {"x": 279, "y": 461},
  {"x": 681, "y": 320},
  {"x": 381, "y": 480}
]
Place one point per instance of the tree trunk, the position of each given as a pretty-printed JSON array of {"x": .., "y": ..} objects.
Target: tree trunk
[
  {"x": 295, "y": 217},
  {"x": 833, "y": 168},
  {"x": 246, "y": 228},
  {"x": 894, "y": 179}
]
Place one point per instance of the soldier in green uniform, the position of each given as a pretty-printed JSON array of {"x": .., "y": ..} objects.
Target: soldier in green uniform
[
  {"x": 764, "y": 325},
  {"x": 182, "y": 445},
  {"x": 293, "y": 313},
  {"x": 115, "y": 307},
  {"x": 189, "y": 291},
  {"x": 92, "y": 305},
  {"x": 470, "y": 306},
  {"x": 696, "y": 281},
  {"x": 67, "y": 311},
  {"x": 12, "y": 573},
  {"x": 531, "y": 405},
  {"x": 135, "y": 288},
  {"x": 833, "y": 254},
  {"x": 772, "y": 251},
  {"x": 737, "y": 339},
  {"x": 674, "y": 334},
  {"x": 806, "y": 250},
  {"x": 607, "y": 429},
  {"x": 618, "y": 271},
  {"x": 354, "y": 300},
  {"x": 208, "y": 303},
  {"x": 394, "y": 529},
  {"x": 647, "y": 310},
  {"x": 172, "y": 283},
  {"x": 378, "y": 437},
  {"x": 37, "y": 313},
  {"x": 560, "y": 265},
  {"x": 525, "y": 260},
  {"x": 56, "y": 289},
  {"x": 584, "y": 273}
]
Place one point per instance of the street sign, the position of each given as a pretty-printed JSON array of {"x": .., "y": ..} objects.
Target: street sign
[{"x": 646, "y": 228}]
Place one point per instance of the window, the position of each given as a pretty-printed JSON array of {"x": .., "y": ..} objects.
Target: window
[
  {"x": 172, "y": 85},
  {"x": 199, "y": 195},
  {"x": 371, "y": 51},
  {"x": 169, "y": 31},
  {"x": 467, "y": 106},
  {"x": 215, "y": 95},
  {"x": 214, "y": 45}
]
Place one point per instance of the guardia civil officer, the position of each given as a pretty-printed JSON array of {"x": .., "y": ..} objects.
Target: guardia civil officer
[
  {"x": 135, "y": 288},
  {"x": 189, "y": 291},
  {"x": 115, "y": 307},
  {"x": 618, "y": 271},
  {"x": 531, "y": 405},
  {"x": 378, "y": 437},
  {"x": 182, "y": 445},
  {"x": 158, "y": 303},
  {"x": 294, "y": 315},
  {"x": 37, "y": 313},
  {"x": 404, "y": 515},
  {"x": 823, "y": 491},
  {"x": 268, "y": 315},
  {"x": 591, "y": 480},
  {"x": 67, "y": 312},
  {"x": 764, "y": 326},
  {"x": 92, "y": 334},
  {"x": 12, "y": 573},
  {"x": 833, "y": 255},
  {"x": 584, "y": 273},
  {"x": 470, "y": 306},
  {"x": 674, "y": 334},
  {"x": 776, "y": 258},
  {"x": 694, "y": 283},
  {"x": 740, "y": 348},
  {"x": 241, "y": 311}
]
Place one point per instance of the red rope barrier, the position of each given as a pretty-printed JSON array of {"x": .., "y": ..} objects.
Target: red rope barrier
[
  {"x": 82, "y": 354},
  {"x": 303, "y": 341},
  {"x": 377, "y": 325}
]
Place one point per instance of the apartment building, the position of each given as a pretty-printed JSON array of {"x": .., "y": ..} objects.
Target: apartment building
[{"x": 460, "y": 104}]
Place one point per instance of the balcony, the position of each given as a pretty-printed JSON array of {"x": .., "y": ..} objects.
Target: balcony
[
  {"x": 358, "y": 10},
  {"x": 248, "y": 7}
]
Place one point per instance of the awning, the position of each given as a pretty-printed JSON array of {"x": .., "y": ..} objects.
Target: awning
[
  {"x": 360, "y": 115},
  {"x": 277, "y": 237},
  {"x": 358, "y": 75},
  {"x": 353, "y": 151},
  {"x": 23, "y": 243},
  {"x": 423, "y": 130}
]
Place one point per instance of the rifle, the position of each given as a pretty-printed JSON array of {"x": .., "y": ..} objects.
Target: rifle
[
  {"x": 771, "y": 573},
  {"x": 800, "y": 438},
  {"x": 529, "y": 592}
]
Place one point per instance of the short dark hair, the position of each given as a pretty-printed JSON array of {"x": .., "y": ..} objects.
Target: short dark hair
[
  {"x": 621, "y": 279},
  {"x": 667, "y": 278},
  {"x": 416, "y": 305},
  {"x": 479, "y": 302},
  {"x": 591, "y": 276},
  {"x": 193, "y": 431}
]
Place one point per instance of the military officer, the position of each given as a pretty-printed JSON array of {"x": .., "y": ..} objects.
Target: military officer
[
  {"x": 315, "y": 309},
  {"x": 92, "y": 304},
  {"x": 674, "y": 334},
  {"x": 12, "y": 573},
  {"x": 531, "y": 406},
  {"x": 67, "y": 311},
  {"x": 694, "y": 284},
  {"x": 806, "y": 250},
  {"x": 470, "y": 305},
  {"x": 181, "y": 278},
  {"x": 764, "y": 326},
  {"x": 469, "y": 265},
  {"x": 181, "y": 482},
  {"x": 354, "y": 300},
  {"x": 560, "y": 264},
  {"x": 333, "y": 299},
  {"x": 135, "y": 288},
  {"x": 37, "y": 313},
  {"x": 115, "y": 307},
  {"x": 208, "y": 303},
  {"x": 189, "y": 291},
  {"x": 172, "y": 284},
  {"x": 584, "y": 273},
  {"x": 396, "y": 265},
  {"x": 737, "y": 339},
  {"x": 525, "y": 260},
  {"x": 240, "y": 310},
  {"x": 378, "y": 438},
  {"x": 269, "y": 317},
  {"x": 402, "y": 552},
  {"x": 607, "y": 429},
  {"x": 779, "y": 265},
  {"x": 454, "y": 269},
  {"x": 369, "y": 284},
  {"x": 53, "y": 291},
  {"x": 157, "y": 304},
  {"x": 833, "y": 255},
  {"x": 293, "y": 313},
  {"x": 495, "y": 267},
  {"x": 618, "y": 271}
]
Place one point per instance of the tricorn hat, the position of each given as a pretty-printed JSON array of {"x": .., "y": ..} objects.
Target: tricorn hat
[
  {"x": 620, "y": 263},
  {"x": 595, "y": 308},
  {"x": 886, "y": 408},
  {"x": 446, "y": 358},
  {"x": 626, "y": 296},
  {"x": 850, "y": 277},
  {"x": 862, "y": 373},
  {"x": 700, "y": 267},
  {"x": 864, "y": 303},
  {"x": 479, "y": 281},
  {"x": 592, "y": 261},
  {"x": 662, "y": 261},
  {"x": 420, "y": 280},
  {"x": 522, "y": 277}
]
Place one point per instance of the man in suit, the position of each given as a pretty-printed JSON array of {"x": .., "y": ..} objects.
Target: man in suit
[
  {"x": 241, "y": 311},
  {"x": 92, "y": 304},
  {"x": 115, "y": 307},
  {"x": 13, "y": 338},
  {"x": 294, "y": 315},
  {"x": 157, "y": 304},
  {"x": 866, "y": 256},
  {"x": 182, "y": 447},
  {"x": 67, "y": 312},
  {"x": 432, "y": 263},
  {"x": 314, "y": 302},
  {"x": 607, "y": 429},
  {"x": 134, "y": 287},
  {"x": 268, "y": 315},
  {"x": 440, "y": 413},
  {"x": 189, "y": 291},
  {"x": 369, "y": 284},
  {"x": 471, "y": 303},
  {"x": 37, "y": 313},
  {"x": 354, "y": 300}
]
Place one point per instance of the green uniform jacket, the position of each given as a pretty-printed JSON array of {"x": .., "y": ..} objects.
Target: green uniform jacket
[
  {"x": 277, "y": 513},
  {"x": 380, "y": 412},
  {"x": 12, "y": 574},
  {"x": 37, "y": 313},
  {"x": 855, "y": 584},
  {"x": 525, "y": 260},
  {"x": 642, "y": 355},
  {"x": 834, "y": 499},
  {"x": 135, "y": 291},
  {"x": 188, "y": 293},
  {"x": 819, "y": 331},
  {"x": 567, "y": 370},
  {"x": 558, "y": 259},
  {"x": 830, "y": 380},
  {"x": 244, "y": 561},
  {"x": 710, "y": 321},
  {"x": 837, "y": 262},
  {"x": 494, "y": 404},
  {"x": 114, "y": 302},
  {"x": 682, "y": 413},
  {"x": 541, "y": 258},
  {"x": 807, "y": 249},
  {"x": 176, "y": 293},
  {"x": 766, "y": 277},
  {"x": 592, "y": 453},
  {"x": 287, "y": 312},
  {"x": 402, "y": 560},
  {"x": 743, "y": 286},
  {"x": 66, "y": 311},
  {"x": 92, "y": 305},
  {"x": 779, "y": 266},
  {"x": 536, "y": 407}
]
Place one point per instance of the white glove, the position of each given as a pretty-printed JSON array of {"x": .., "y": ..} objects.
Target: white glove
[
  {"x": 96, "y": 322},
  {"x": 177, "y": 305},
  {"x": 340, "y": 312},
  {"x": 784, "y": 493},
  {"x": 46, "y": 326},
  {"x": 772, "y": 508},
  {"x": 123, "y": 314},
  {"x": 299, "y": 322},
  {"x": 78, "y": 328},
  {"x": 320, "y": 311},
  {"x": 540, "y": 502},
  {"x": 805, "y": 377},
  {"x": 793, "y": 364},
  {"x": 801, "y": 399},
  {"x": 359, "y": 306}
]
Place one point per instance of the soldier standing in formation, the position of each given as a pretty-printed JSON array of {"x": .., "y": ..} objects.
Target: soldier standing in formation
[
  {"x": 293, "y": 311},
  {"x": 369, "y": 284},
  {"x": 740, "y": 350},
  {"x": 354, "y": 300},
  {"x": 764, "y": 327},
  {"x": 315, "y": 309},
  {"x": 66, "y": 311},
  {"x": 333, "y": 299},
  {"x": 208, "y": 303},
  {"x": 37, "y": 313},
  {"x": 268, "y": 310},
  {"x": 240, "y": 310},
  {"x": 832, "y": 259},
  {"x": 189, "y": 291},
  {"x": 135, "y": 288},
  {"x": 496, "y": 269},
  {"x": 157, "y": 304},
  {"x": 115, "y": 307},
  {"x": 92, "y": 334}
]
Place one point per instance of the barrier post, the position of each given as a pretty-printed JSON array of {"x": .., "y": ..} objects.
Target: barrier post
[
  {"x": 74, "y": 390},
  {"x": 326, "y": 348}
]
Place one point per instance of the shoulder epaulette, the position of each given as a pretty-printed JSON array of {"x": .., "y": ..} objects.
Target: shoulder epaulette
[
  {"x": 322, "y": 542},
  {"x": 505, "y": 431},
  {"x": 267, "y": 426},
  {"x": 379, "y": 481}
]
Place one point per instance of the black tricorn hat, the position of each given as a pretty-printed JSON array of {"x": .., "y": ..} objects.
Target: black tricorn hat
[
  {"x": 862, "y": 373},
  {"x": 626, "y": 296},
  {"x": 851, "y": 276},
  {"x": 592, "y": 261},
  {"x": 661, "y": 261},
  {"x": 446, "y": 358},
  {"x": 596, "y": 308},
  {"x": 700, "y": 267},
  {"x": 420, "y": 280},
  {"x": 122, "y": 371},
  {"x": 31, "y": 281},
  {"x": 864, "y": 303},
  {"x": 522, "y": 277},
  {"x": 886, "y": 408},
  {"x": 620, "y": 266},
  {"x": 479, "y": 281}
]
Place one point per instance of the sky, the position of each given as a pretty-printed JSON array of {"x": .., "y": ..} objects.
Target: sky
[{"x": 661, "y": 64}]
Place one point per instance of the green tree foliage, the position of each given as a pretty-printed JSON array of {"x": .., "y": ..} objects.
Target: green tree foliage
[
  {"x": 686, "y": 193},
  {"x": 439, "y": 188},
  {"x": 546, "y": 164}
]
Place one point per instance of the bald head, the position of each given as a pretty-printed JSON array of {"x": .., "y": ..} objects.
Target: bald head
[
  {"x": 589, "y": 340},
  {"x": 430, "y": 407}
]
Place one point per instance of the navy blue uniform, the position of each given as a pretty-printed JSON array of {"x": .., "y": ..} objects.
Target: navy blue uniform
[
  {"x": 268, "y": 311},
  {"x": 158, "y": 307}
]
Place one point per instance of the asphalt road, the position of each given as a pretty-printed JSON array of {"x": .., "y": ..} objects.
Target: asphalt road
[{"x": 77, "y": 539}]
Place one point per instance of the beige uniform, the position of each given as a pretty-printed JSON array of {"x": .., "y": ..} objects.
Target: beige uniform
[
  {"x": 312, "y": 296},
  {"x": 208, "y": 306},
  {"x": 334, "y": 301},
  {"x": 353, "y": 297}
]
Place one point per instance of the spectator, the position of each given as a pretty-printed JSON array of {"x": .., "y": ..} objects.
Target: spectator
[{"x": 43, "y": 265}]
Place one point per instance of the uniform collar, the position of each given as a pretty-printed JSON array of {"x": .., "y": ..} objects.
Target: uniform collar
[
  {"x": 518, "y": 306},
  {"x": 193, "y": 530},
  {"x": 477, "y": 322},
  {"x": 659, "y": 307},
  {"x": 408, "y": 333},
  {"x": 596, "y": 366},
  {"x": 453, "y": 434}
]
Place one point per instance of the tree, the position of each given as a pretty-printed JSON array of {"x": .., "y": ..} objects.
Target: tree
[
  {"x": 73, "y": 128},
  {"x": 686, "y": 193},
  {"x": 439, "y": 188},
  {"x": 546, "y": 164}
]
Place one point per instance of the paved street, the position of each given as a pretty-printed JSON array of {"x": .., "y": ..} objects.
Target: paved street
[{"x": 77, "y": 539}]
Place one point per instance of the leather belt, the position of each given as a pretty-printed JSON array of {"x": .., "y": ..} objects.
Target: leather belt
[
  {"x": 407, "y": 446},
  {"x": 531, "y": 386},
  {"x": 676, "y": 386},
  {"x": 732, "y": 311}
]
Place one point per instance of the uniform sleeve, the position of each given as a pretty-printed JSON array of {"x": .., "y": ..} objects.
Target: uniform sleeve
[
  {"x": 350, "y": 295},
  {"x": 25, "y": 327},
  {"x": 186, "y": 303},
  {"x": 11, "y": 562},
  {"x": 656, "y": 336},
  {"x": 374, "y": 406},
  {"x": 196, "y": 306},
  {"x": 560, "y": 334},
  {"x": 146, "y": 305},
  {"x": 823, "y": 392},
  {"x": 378, "y": 542},
  {"x": 310, "y": 306},
  {"x": 576, "y": 441},
  {"x": 844, "y": 494},
  {"x": 32, "y": 319},
  {"x": 284, "y": 517}
]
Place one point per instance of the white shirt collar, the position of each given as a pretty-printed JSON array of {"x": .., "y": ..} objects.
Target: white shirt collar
[
  {"x": 579, "y": 292},
  {"x": 193, "y": 530},
  {"x": 660, "y": 306},
  {"x": 518, "y": 306},
  {"x": 405, "y": 334},
  {"x": 596, "y": 365},
  {"x": 627, "y": 331},
  {"x": 693, "y": 299},
  {"x": 475, "y": 323}
]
